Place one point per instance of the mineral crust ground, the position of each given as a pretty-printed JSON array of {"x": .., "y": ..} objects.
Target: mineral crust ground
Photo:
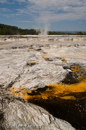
[{"x": 49, "y": 71}]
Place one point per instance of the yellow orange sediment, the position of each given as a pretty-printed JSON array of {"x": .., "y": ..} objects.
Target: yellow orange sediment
[
  {"x": 58, "y": 89},
  {"x": 63, "y": 59},
  {"x": 78, "y": 87},
  {"x": 75, "y": 68},
  {"x": 32, "y": 63},
  {"x": 68, "y": 98},
  {"x": 21, "y": 92}
]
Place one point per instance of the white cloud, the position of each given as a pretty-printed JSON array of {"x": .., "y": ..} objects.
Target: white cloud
[
  {"x": 3, "y": 1},
  {"x": 46, "y": 11},
  {"x": 24, "y": 21},
  {"x": 54, "y": 4},
  {"x": 4, "y": 10},
  {"x": 20, "y": 1}
]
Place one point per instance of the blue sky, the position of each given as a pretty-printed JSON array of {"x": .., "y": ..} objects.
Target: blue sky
[{"x": 53, "y": 15}]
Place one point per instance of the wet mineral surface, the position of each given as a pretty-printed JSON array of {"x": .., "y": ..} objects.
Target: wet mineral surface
[{"x": 70, "y": 102}]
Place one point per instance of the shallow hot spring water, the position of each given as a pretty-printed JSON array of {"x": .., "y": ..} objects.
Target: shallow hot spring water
[{"x": 65, "y": 100}]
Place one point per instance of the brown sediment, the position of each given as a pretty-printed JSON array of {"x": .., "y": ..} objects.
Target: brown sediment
[
  {"x": 63, "y": 59},
  {"x": 68, "y": 98},
  {"x": 4, "y": 43},
  {"x": 45, "y": 56},
  {"x": 75, "y": 68},
  {"x": 76, "y": 75},
  {"x": 32, "y": 63}
]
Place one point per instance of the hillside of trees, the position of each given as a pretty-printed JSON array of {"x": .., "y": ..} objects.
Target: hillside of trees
[
  {"x": 13, "y": 30},
  {"x": 67, "y": 33}
]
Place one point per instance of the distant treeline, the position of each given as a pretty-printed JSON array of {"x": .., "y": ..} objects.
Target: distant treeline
[
  {"x": 67, "y": 33},
  {"x": 13, "y": 30}
]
